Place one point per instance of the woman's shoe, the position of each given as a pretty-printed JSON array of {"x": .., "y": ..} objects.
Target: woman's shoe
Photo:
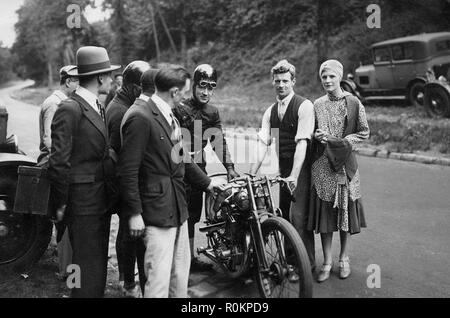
[
  {"x": 344, "y": 268},
  {"x": 324, "y": 273}
]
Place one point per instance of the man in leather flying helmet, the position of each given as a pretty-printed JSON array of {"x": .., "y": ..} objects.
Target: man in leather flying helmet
[
  {"x": 129, "y": 250},
  {"x": 202, "y": 120}
]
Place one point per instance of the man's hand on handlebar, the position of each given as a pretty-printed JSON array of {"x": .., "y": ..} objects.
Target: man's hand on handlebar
[
  {"x": 291, "y": 183},
  {"x": 217, "y": 185},
  {"x": 232, "y": 174}
]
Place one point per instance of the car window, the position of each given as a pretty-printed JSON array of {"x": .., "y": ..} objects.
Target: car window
[
  {"x": 443, "y": 45},
  {"x": 409, "y": 49},
  {"x": 381, "y": 54},
  {"x": 404, "y": 51},
  {"x": 397, "y": 52}
]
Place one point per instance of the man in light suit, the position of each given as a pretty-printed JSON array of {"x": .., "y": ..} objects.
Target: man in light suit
[
  {"x": 151, "y": 170},
  {"x": 79, "y": 168}
]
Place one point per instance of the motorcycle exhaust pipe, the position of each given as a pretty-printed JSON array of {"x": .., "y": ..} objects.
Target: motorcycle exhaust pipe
[{"x": 212, "y": 227}]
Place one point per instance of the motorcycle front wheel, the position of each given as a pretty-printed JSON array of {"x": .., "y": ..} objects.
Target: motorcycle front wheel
[{"x": 289, "y": 273}]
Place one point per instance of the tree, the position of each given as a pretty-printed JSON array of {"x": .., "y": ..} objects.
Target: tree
[
  {"x": 41, "y": 31},
  {"x": 6, "y": 71}
]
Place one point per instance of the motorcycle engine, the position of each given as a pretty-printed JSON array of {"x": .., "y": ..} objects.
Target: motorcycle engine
[{"x": 242, "y": 200}]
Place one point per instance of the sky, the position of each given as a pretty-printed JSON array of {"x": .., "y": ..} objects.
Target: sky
[{"x": 8, "y": 18}]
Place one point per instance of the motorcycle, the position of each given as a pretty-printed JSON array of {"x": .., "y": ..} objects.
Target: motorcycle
[{"x": 245, "y": 231}]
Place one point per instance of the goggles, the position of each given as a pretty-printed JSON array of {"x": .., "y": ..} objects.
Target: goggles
[{"x": 209, "y": 85}]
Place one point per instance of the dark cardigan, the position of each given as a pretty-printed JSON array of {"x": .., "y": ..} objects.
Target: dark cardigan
[{"x": 339, "y": 150}]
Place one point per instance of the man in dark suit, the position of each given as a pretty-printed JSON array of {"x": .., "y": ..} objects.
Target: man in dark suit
[
  {"x": 115, "y": 87},
  {"x": 151, "y": 169},
  {"x": 79, "y": 167},
  {"x": 128, "y": 249}
]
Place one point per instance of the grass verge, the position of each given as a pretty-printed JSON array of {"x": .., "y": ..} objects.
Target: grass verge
[{"x": 395, "y": 126}]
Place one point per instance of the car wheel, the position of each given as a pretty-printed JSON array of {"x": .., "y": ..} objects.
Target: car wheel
[
  {"x": 23, "y": 238},
  {"x": 416, "y": 94},
  {"x": 346, "y": 87},
  {"x": 437, "y": 101}
]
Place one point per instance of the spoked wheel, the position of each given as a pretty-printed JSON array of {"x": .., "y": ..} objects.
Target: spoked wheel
[
  {"x": 437, "y": 101},
  {"x": 355, "y": 92},
  {"x": 346, "y": 87},
  {"x": 289, "y": 271},
  {"x": 416, "y": 94},
  {"x": 23, "y": 238}
]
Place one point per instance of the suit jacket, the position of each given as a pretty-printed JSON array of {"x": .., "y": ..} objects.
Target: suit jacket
[
  {"x": 151, "y": 182},
  {"x": 79, "y": 161},
  {"x": 114, "y": 114}
]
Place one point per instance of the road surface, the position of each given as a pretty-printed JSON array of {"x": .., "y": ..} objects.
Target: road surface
[{"x": 407, "y": 208}]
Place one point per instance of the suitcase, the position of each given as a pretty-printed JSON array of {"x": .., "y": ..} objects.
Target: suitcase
[{"x": 33, "y": 191}]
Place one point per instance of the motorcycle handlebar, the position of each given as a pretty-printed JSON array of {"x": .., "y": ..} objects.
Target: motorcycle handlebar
[{"x": 254, "y": 179}]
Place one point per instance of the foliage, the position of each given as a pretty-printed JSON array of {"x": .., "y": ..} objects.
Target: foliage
[
  {"x": 5, "y": 64},
  {"x": 42, "y": 35},
  {"x": 243, "y": 39}
]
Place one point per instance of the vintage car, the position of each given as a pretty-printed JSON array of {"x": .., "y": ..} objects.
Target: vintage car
[
  {"x": 400, "y": 67},
  {"x": 437, "y": 91},
  {"x": 24, "y": 237}
]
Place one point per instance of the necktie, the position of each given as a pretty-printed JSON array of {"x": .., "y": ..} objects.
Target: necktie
[
  {"x": 101, "y": 110},
  {"x": 280, "y": 110}
]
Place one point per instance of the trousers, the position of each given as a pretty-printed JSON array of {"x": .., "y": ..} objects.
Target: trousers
[
  {"x": 167, "y": 261},
  {"x": 297, "y": 212},
  {"x": 129, "y": 251},
  {"x": 89, "y": 236}
]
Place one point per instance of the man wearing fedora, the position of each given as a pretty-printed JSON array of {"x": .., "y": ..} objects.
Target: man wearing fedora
[{"x": 79, "y": 168}]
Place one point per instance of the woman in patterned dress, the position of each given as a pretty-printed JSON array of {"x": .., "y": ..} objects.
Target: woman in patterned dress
[{"x": 335, "y": 197}]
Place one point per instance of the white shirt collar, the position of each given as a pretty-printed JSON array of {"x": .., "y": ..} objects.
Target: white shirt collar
[
  {"x": 90, "y": 98},
  {"x": 285, "y": 101},
  {"x": 60, "y": 94},
  {"x": 165, "y": 108},
  {"x": 144, "y": 97}
]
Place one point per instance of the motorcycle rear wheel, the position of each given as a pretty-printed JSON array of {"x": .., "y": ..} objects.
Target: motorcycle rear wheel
[{"x": 280, "y": 239}]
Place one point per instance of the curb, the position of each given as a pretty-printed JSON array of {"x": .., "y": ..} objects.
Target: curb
[
  {"x": 378, "y": 153},
  {"x": 368, "y": 152}
]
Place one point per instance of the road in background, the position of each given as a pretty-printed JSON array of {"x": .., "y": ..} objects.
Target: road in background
[{"x": 407, "y": 208}]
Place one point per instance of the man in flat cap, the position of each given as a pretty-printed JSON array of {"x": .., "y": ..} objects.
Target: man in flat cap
[
  {"x": 79, "y": 167},
  {"x": 67, "y": 85}
]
